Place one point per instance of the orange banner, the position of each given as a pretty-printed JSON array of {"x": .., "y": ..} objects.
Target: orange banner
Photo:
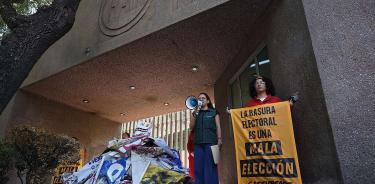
[
  {"x": 63, "y": 169},
  {"x": 265, "y": 146}
]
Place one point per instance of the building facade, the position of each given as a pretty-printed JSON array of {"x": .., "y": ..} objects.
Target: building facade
[{"x": 168, "y": 50}]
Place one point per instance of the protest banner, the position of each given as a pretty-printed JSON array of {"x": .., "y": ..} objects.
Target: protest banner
[
  {"x": 62, "y": 169},
  {"x": 265, "y": 146}
]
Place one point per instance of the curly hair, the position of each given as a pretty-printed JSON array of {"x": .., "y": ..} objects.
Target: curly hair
[{"x": 270, "y": 90}]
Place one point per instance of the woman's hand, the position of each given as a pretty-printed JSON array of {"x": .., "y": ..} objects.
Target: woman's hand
[
  {"x": 196, "y": 111},
  {"x": 227, "y": 110},
  {"x": 291, "y": 103},
  {"x": 219, "y": 142},
  {"x": 293, "y": 99}
]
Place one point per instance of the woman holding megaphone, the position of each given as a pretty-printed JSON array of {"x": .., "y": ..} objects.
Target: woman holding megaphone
[{"x": 205, "y": 127}]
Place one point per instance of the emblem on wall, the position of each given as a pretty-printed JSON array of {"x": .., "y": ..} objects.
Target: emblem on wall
[
  {"x": 119, "y": 16},
  {"x": 180, "y": 4}
]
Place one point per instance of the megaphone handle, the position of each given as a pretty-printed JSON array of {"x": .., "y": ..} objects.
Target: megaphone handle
[{"x": 196, "y": 111}]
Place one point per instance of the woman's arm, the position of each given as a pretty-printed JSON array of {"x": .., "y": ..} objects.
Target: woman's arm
[
  {"x": 192, "y": 122},
  {"x": 193, "y": 118},
  {"x": 218, "y": 130}
]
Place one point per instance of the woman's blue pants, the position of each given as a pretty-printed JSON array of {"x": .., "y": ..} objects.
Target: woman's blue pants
[{"x": 205, "y": 170}]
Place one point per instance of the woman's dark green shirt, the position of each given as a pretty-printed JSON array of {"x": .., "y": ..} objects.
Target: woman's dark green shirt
[{"x": 205, "y": 127}]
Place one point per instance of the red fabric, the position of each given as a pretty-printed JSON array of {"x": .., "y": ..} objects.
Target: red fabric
[
  {"x": 269, "y": 99},
  {"x": 190, "y": 148}
]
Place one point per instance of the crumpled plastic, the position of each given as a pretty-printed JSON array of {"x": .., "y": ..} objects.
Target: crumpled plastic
[
  {"x": 113, "y": 170},
  {"x": 126, "y": 161},
  {"x": 83, "y": 174},
  {"x": 143, "y": 128}
]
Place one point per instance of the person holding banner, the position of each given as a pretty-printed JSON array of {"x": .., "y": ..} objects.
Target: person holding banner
[
  {"x": 205, "y": 126},
  {"x": 262, "y": 92},
  {"x": 264, "y": 137}
]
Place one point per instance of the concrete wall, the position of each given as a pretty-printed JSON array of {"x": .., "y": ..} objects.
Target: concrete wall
[
  {"x": 294, "y": 69},
  {"x": 227, "y": 168},
  {"x": 343, "y": 38},
  {"x": 92, "y": 131},
  {"x": 87, "y": 39},
  {"x": 284, "y": 31}
]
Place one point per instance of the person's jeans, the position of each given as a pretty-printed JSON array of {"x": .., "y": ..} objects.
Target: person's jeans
[{"x": 205, "y": 170}]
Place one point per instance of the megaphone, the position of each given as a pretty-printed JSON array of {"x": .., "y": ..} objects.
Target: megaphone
[{"x": 192, "y": 102}]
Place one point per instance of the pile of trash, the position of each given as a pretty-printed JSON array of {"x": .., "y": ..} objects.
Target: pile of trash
[{"x": 138, "y": 159}]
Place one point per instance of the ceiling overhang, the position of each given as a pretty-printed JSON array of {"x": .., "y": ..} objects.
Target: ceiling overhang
[{"x": 158, "y": 65}]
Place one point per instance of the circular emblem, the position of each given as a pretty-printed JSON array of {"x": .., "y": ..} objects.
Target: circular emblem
[{"x": 119, "y": 16}]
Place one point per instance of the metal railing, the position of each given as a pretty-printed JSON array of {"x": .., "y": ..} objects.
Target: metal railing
[{"x": 173, "y": 127}]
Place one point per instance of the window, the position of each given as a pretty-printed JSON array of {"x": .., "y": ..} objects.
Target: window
[{"x": 257, "y": 64}]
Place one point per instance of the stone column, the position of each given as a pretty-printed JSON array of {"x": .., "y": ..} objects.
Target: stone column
[{"x": 343, "y": 39}]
